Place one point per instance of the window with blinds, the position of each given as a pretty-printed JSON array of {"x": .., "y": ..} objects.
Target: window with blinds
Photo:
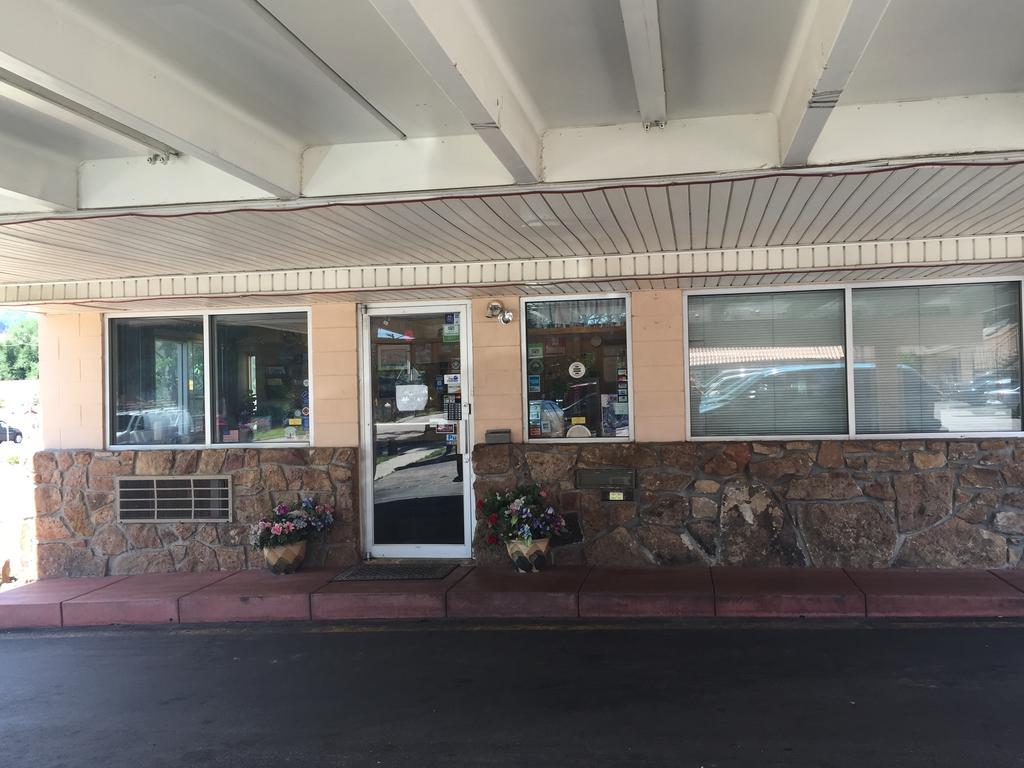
[
  {"x": 767, "y": 364},
  {"x": 939, "y": 358}
]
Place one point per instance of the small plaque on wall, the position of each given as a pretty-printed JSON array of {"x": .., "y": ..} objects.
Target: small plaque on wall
[{"x": 619, "y": 479}]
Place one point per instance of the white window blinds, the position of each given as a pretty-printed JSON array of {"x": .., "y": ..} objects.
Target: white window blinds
[
  {"x": 943, "y": 358},
  {"x": 767, "y": 364}
]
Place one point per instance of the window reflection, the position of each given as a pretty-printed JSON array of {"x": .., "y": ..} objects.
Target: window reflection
[
  {"x": 937, "y": 358},
  {"x": 577, "y": 376},
  {"x": 157, "y": 381},
  {"x": 767, "y": 364},
  {"x": 262, "y": 377}
]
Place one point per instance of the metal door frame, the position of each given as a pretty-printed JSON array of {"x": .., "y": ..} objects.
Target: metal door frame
[{"x": 367, "y": 464}]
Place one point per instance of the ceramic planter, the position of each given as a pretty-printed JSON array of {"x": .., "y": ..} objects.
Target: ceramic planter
[
  {"x": 286, "y": 558},
  {"x": 525, "y": 553}
]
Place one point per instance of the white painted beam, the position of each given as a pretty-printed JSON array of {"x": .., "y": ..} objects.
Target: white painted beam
[
  {"x": 122, "y": 182},
  {"x": 643, "y": 38},
  {"x": 457, "y": 49},
  {"x": 442, "y": 162},
  {"x": 702, "y": 145},
  {"x": 21, "y": 91},
  {"x": 992, "y": 122},
  {"x": 830, "y": 40},
  {"x": 40, "y": 179},
  {"x": 42, "y": 42}
]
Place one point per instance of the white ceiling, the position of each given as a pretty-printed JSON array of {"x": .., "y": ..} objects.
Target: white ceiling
[
  {"x": 481, "y": 108},
  {"x": 570, "y": 56},
  {"x": 725, "y": 57},
  {"x": 23, "y": 124},
  {"x": 764, "y": 211},
  {"x": 925, "y": 49},
  {"x": 536, "y": 90},
  {"x": 229, "y": 50},
  {"x": 353, "y": 38}
]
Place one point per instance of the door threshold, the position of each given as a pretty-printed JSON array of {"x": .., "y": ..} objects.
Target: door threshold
[{"x": 413, "y": 560}]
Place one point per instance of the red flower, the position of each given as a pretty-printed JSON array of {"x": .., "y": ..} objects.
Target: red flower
[
  {"x": 492, "y": 539},
  {"x": 479, "y": 503},
  {"x": 493, "y": 519}
]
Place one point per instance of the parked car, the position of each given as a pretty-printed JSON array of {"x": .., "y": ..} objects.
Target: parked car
[
  {"x": 774, "y": 397},
  {"x": 9, "y": 433},
  {"x": 988, "y": 388}
]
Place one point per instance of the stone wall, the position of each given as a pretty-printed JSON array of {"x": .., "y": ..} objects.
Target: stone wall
[
  {"x": 78, "y": 533},
  {"x": 864, "y": 504}
]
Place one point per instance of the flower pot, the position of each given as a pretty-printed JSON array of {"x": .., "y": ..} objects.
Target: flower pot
[
  {"x": 286, "y": 558},
  {"x": 525, "y": 553}
]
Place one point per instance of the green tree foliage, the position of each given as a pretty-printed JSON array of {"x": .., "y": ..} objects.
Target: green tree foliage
[{"x": 19, "y": 351}]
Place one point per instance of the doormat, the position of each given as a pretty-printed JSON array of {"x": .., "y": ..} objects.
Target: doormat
[{"x": 395, "y": 571}]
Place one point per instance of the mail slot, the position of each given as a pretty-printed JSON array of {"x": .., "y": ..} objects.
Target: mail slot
[{"x": 620, "y": 479}]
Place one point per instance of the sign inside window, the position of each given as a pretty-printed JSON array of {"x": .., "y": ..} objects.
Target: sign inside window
[{"x": 576, "y": 363}]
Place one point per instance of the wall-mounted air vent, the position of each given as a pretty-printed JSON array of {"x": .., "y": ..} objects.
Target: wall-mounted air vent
[{"x": 191, "y": 498}]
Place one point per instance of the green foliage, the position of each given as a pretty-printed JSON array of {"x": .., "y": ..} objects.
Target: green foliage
[
  {"x": 292, "y": 522},
  {"x": 519, "y": 514},
  {"x": 19, "y": 351}
]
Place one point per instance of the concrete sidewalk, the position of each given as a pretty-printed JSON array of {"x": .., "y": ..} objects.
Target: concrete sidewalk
[{"x": 560, "y": 593}]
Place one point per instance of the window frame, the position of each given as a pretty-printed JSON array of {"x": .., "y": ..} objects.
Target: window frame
[
  {"x": 851, "y": 414},
  {"x": 206, "y": 316},
  {"x": 523, "y": 301}
]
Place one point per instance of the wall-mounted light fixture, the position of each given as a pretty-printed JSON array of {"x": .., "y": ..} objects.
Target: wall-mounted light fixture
[{"x": 497, "y": 310}]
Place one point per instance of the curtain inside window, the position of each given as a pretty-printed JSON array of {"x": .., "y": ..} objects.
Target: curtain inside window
[
  {"x": 767, "y": 364},
  {"x": 942, "y": 358}
]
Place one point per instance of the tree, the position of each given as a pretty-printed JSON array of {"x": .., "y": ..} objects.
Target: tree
[{"x": 19, "y": 351}]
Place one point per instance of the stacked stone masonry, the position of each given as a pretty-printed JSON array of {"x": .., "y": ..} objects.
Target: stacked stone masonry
[
  {"x": 857, "y": 504},
  {"x": 78, "y": 533}
]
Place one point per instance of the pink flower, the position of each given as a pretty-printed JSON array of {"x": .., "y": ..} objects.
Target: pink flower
[
  {"x": 276, "y": 529},
  {"x": 543, "y": 494}
]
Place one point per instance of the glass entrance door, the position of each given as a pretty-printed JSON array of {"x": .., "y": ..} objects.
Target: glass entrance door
[{"x": 416, "y": 418}]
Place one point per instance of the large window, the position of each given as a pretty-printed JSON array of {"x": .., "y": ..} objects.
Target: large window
[
  {"x": 156, "y": 379},
  {"x": 932, "y": 359},
  {"x": 757, "y": 360},
  {"x": 261, "y": 381},
  {"x": 577, "y": 368},
  {"x": 258, "y": 379},
  {"x": 939, "y": 358}
]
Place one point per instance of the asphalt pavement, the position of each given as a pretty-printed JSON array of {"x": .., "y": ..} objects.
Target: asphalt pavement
[{"x": 579, "y": 694}]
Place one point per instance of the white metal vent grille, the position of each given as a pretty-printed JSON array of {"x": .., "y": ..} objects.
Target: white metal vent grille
[{"x": 196, "y": 497}]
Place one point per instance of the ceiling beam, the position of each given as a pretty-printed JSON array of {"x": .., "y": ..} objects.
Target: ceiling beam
[
  {"x": 44, "y": 102},
  {"x": 643, "y": 38},
  {"x": 458, "y": 51},
  {"x": 121, "y": 81},
  {"x": 697, "y": 145},
  {"x": 41, "y": 178},
  {"x": 322, "y": 66},
  {"x": 982, "y": 122},
  {"x": 829, "y": 43}
]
